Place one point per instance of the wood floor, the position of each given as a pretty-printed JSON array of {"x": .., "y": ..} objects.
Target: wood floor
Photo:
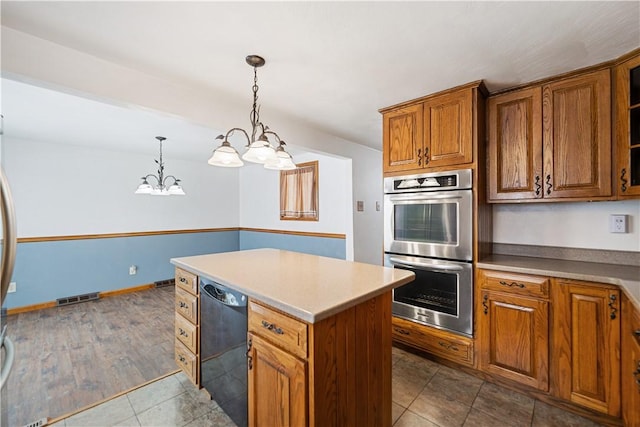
[{"x": 73, "y": 356}]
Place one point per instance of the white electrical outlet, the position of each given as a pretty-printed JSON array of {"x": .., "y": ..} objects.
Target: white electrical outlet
[
  {"x": 12, "y": 287},
  {"x": 617, "y": 223},
  {"x": 133, "y": 270}
]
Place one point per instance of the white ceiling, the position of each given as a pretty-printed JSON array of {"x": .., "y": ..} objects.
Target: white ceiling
[{"x": 331, "y": 65}]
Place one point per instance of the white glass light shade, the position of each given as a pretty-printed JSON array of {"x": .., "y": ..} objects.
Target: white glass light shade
[
  {"x": 283, "y": 161},
  {"x": 144, "y": 188},
  {"x": 225, "y": 156},
  {"x": 259, "y": 152},
  {"x": 176, "y": 190},
  {"x": 157, "y": 191}
]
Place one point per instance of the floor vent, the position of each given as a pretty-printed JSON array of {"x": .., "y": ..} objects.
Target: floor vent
[
  {"x": 77, "y": 298},
  {"x": 163, "y": 283},
  {"x": 41, "y": 422}
]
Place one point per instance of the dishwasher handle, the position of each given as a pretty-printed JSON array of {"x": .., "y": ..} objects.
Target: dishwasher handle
[{"x": 222, "y": 294}]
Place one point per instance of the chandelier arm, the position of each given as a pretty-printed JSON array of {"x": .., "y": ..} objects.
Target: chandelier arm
[
  {"x": 151, "y": 176},
  {"x": 270, "y": 132},
  {"x": 175, "y": 180},
  {"x": 230, "y": 132}
]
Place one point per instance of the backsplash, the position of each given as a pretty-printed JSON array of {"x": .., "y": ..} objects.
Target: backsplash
[{"x": 570, "y": 254}]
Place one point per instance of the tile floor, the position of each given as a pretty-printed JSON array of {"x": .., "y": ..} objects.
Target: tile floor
[{"x": 425, "y": 394}]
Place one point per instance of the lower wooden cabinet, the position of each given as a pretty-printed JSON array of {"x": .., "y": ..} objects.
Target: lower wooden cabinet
[
  {"x": 278, "y": 385},
  {"x": 630, "y": 364},
  {"x": 585, "y": 366},
  {"x": 514, "y": 338},
  {"x": 187, "y": 339},
  {"x": 444, "y": 344}
]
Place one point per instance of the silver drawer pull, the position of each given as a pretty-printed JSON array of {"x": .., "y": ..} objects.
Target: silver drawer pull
[{"x": 272, "y": 327}]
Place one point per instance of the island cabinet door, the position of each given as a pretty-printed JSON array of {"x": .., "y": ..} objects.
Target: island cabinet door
[
  {"x": 277, "y": 386},
  {"x": 513, "y": 332}
]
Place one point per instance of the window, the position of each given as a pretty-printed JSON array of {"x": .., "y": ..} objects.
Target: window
[{"x": 299, "y": 193}]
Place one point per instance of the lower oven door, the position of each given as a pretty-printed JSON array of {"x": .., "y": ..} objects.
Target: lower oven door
[{"x": 441, "y": 294}]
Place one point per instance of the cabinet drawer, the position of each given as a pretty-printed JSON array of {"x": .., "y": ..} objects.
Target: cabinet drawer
[
  {"x": 634, "y": 318},
  {"x": 187, "y": 305},
  {"x": 187, "y": 361},
  {"x": 448, "y": 346},
  {"x": 187, "y": 281},
  {"x": 187, "y": 333},
  {"x": 280, "y": 329},
  {"x": 535, "y": 286}
]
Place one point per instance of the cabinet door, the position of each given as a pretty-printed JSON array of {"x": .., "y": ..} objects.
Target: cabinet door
[
  {"x": 513, "y": 332},
  {"x": 448, "y": 129},
  {"x": 627, "y": 120},
  {"x": 277, "y": 386},
  {"x": 586, "y": 345},
  {"x": 577, "y": 136},
  {"x": 630, "y": 364},
  {"x": 402, "y": 139},
  {"x": 515, "y": 145}
]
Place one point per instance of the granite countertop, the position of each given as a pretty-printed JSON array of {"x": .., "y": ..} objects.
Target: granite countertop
[
  {"x": 625, "y": 276},
  {"x": 308, "y": 287}
]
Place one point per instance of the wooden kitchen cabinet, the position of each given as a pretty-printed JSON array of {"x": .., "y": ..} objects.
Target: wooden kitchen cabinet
[
  {"x": 585, "y": 366},
  {"x": 277, "y": 385},
  {"x": 328, "y": 373},
  {"x": 627, "y": 131},
  {"x": 437, "y": 131},
  {"x": 187, "y": 340},
  {"x": 402, "y": 139},
  {"x": 630, "y": 363},
  {"x": 552, "y": 142},
  {"x": 515, "y": 145},
  {"x": 513, "y": 327}
]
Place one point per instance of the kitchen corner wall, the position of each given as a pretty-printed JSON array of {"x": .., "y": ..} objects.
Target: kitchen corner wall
[
  {"x": 260, "y": 209},
  {"x": 570, "y": 225}
]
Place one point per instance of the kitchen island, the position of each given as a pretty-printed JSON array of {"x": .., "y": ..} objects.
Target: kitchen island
[{"x": 319, "y": 334}]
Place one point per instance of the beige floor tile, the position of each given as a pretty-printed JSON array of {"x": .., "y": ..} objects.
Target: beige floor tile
[
  {"x": 216, "y": 418},
  {"x": 505, "y": 405},
  {"x": 409, "y": 419},
  {"x": 131, "y": 422},
  {"x": 440, "y": 409},
  {"x": 155, "y": 393},
  {"x": 396, "y": 411},
  {"x": 455, "y": 385},
  {"x": 477, "y": 418},
  {"x": 110, "y": 413},
  {"x": 177, "y": 411},
  {"x": 549, "y": 416},
  {"x": 405, "y": 390}
]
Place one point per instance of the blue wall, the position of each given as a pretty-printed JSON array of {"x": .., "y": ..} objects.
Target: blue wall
[
  {"x": 46, "y": 271},
  {"x": 324, "y": 246}
]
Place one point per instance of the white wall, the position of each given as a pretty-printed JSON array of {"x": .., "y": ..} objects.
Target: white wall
[
  {"x": 260, "y": 198},
  {"x": 66, "y": 190},
  {"x": 572, "y": 225},
  {"x": 37, "y": 60}
]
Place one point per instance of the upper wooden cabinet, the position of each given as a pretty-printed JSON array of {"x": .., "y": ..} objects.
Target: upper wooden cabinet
[
  {"x": 627, "y": 119},
  {"x": 437, "y": 131},
  {"x": 552, "y": 142}
]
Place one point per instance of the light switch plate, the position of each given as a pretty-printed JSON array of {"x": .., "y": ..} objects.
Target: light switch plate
[{"x": 360, "y": 206}]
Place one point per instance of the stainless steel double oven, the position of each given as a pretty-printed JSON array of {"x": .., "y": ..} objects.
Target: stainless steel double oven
[{"x": 428, "y": 229}]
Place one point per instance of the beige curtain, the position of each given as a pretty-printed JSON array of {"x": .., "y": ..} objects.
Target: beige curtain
[{"x": 298, "y": 193}]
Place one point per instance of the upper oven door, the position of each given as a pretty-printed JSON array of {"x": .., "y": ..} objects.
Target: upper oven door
[{"x": 437, "y": 224}]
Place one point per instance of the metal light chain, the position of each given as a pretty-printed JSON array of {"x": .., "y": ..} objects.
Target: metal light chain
[{"x": 254, "y": 116}]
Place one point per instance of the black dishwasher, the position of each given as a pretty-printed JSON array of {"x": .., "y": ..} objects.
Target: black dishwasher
[{"x": 223, "y": 339}]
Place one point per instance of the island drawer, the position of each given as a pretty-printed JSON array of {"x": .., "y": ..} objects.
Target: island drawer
[
  {"x": 187, "y": 361},
  {"x": 187, "y": 305},
  {"x": 186, "y": 332},
  {"x": 280, "y": 329},
  {"x": 521, "y": 284},
  {"x": 187, "y": 281},
  {"x": 449, "y": 346}
]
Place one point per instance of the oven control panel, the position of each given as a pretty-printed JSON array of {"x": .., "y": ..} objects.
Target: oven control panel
[{"x": 450, "y": 180}]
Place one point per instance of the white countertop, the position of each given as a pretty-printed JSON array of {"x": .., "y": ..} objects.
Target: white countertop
[
  {"x": 627, "y": 277},
  {"x": 308, "y": 287}
]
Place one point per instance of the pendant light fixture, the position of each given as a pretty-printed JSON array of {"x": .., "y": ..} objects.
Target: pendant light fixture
[
  {"x": 259, "y": 149},
  {"x": 161, "y": 188}
]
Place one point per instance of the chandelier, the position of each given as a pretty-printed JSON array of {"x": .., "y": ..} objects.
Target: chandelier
[
  {"x": 259, "y": 150},
  {"x": 161, "y": 188}
]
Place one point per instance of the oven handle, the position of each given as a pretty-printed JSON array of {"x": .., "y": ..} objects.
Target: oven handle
[{"x": 423, "y": 266}]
